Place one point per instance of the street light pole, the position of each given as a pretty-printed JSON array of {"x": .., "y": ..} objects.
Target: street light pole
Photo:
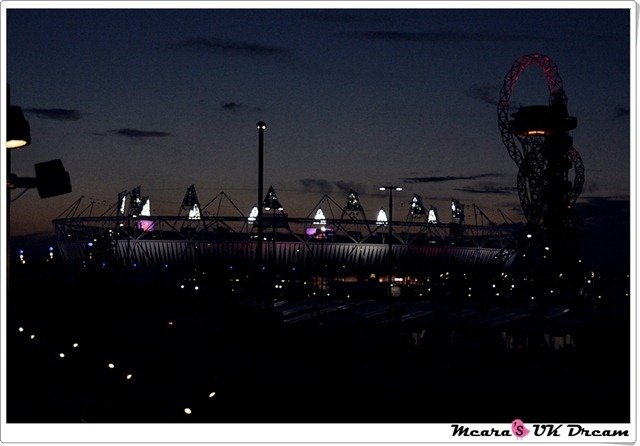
[
  {"x": 390, "y": 226},
  {"x": 261, "y": 127}
]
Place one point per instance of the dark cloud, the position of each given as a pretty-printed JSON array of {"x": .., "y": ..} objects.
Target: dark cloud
[
  {"x": 231, "y": 47},
  {"x": 346, "y": 186},
  {"x": 133, "y": 133},
  {"x": 489, "y": 189},
  {"x": 449, "y": 178},
  {"x": 57, "y": 114},
  {"x": 435, "y": 37},
  {"x": 339, "y": 17},
  {"x": 485, "y": 93},
  {"x": 316, "y": 185},
  {"x": 233, "y": 106},
  {"x": 621, "y": 112}
]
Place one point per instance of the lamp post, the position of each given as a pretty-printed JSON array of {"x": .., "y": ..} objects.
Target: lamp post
[
  {"x": 18, "y": 135},
  {"x": 390, "y": 226},
  {"x": 261, "y": 127}
]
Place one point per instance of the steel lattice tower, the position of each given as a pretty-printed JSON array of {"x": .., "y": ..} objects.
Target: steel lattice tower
[{"x": 537, "y": 139}]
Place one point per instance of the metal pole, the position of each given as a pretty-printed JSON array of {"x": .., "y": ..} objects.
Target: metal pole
[
  {"x": 261, "y": 126},
  {"x": 390, "y": 232}
]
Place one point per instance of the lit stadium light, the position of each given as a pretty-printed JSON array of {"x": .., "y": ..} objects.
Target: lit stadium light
[
  {"x": 111, "y": 365},
  {"x": 271, "y": 201},
  {"x": 253, "y": 215},
  {"x": 194, "y": 212},
  {"x": 187, "y": 411},
  {"x": 433, "y": 215},
  {"x": 32, "y": 336},
  {"x": 61, "y": 355},
  {"x": 129, "y": 376},
  {"x": 212, "y": 394},
  {"x": 319, "y": 218},
  {"x": 529, "y": 235},
  {"x": 457, "y": 211},
  {"x": 123, "y": 202},
  {"x": 382, "y": 217},
  {"x": 75, "y": 345},
  {"x": 146, "y": 208},
  {"x": 20, "y": 329},
  {"x": 417, "y": 208}
]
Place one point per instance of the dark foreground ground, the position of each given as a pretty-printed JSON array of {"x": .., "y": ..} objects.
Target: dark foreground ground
[{"x": 333, "y": 366}]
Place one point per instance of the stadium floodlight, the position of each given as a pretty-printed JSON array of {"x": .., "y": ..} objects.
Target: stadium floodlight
[
  {"x": 194, "y": 212},
  {"x": 417, "y": 208},
  {"x": 271, "y": 201},
  {"x": 382, "y": 217},
  {"x": 253, "y": 215},
  {"x": 433, "y": 215},
  {"x": 146, "y": 208},
  {"x": 319, "y": 218}
]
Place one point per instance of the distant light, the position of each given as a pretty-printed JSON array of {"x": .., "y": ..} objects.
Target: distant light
[
  {"x": 75, "y": 345},
  {"x": 129, "y": 376},
  {"x": 382, "y": 188},
  {"x": 111, "y": 366},
  {"x": 90, "y": 244},
  {"x": 529, "y": 235},
  {"x": 187, "y": 411},
  {"x": 146, "y": 208},
  {"x": 50, "y": 248},
  {"x": 194, "y": 212},
  {"x": 212, "y": 394},
  {"x": 181, "y": 287},
  {"x": 32, "y": 336},
  {"x": 382, "y": 217},
  {"x": 398, "y": 188},
  {"x": 546, "y": 248},
  {"x": 61, "y": 355},
  {"x": 319, "y": 218},
  {"x": 170, "y": 323},
  {"x": 532, "y": 298},
  {"x": 196, "y": 287},
  {"x": 20, "y": 329}
]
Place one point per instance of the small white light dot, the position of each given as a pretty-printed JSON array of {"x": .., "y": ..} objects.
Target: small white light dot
[
  {"x": 196, "y": 288},
  {"x": 61, "y": 355},
  {"x": 129, "y": 376},
  {"x": 187, "y": 411},
  {"x": 212, "y": 394},
  {"x": 111, "y": 366},
  {"x": 75, "y": 345},
  {"x": 32, "y": 336},
  {"x": 20, "y": 329}
]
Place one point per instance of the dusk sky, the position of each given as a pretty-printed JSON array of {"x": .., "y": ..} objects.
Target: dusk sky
[{"x": 352, "y": 98}]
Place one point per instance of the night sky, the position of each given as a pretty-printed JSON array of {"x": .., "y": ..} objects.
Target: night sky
[{"x": 352, "y": 99}]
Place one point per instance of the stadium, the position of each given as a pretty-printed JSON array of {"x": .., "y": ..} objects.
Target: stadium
[{"x": 334, "y": 239}]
